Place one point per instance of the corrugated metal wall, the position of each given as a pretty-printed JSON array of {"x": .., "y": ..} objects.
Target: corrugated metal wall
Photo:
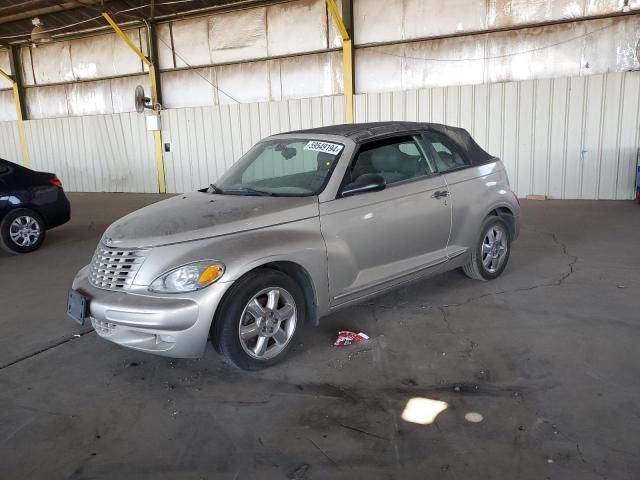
[
  {"x": 10, "y": 142},
  {"x": 206, "y": 140},
  {"x": 566, "y": 138},
  {"x": 98, "y": 153}
]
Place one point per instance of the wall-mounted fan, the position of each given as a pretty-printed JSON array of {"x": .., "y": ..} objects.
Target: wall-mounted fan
[{"x": 143, "y": 102}]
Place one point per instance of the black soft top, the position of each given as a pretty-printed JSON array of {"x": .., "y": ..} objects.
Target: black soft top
[{"x": 366, "y": 132}]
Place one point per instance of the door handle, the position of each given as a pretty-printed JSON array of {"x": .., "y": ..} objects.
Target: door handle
[{"x": 440, "y": 194}]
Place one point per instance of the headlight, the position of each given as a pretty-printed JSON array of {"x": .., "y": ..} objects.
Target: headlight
[{"x": 188, "y": 278}]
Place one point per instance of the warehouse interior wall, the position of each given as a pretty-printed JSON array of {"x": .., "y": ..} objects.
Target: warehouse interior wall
[
  {"x": 507, "y": 70},
  {"x": 571, "y": 138}
]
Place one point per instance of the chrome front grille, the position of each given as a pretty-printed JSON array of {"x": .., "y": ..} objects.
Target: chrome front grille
[{"x": 115, "y": 268}]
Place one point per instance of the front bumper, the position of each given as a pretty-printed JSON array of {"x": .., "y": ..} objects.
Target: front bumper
[
  {"x": 169, "y": 325},
  {"x": 516, "y": 227}
]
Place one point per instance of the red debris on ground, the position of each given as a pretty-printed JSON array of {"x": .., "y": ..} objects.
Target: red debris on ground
[{"x": 346, "y": 338}]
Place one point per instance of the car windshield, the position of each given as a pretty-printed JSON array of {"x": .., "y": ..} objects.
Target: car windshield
[{"x": 288, "y": 167}]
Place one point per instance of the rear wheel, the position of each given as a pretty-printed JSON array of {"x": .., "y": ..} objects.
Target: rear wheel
[
  {"x": 22, "y": 231},
  {"x": 491, "y": 253},
  {"x": 259, "y": 319}
]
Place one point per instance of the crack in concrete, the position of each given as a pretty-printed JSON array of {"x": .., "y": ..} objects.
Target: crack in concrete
[
  {"x": 568, "y": 438},
  {"x": 571, "y": 264},
  {"x": 580, "y": 453},
  {"x": 586, "y": 462},
  {"x": 555, "y": 283},
  {"x": 445, "y": 318},
  {"x": 389, "y": 405},
  {"x": 42, "y": 350}
]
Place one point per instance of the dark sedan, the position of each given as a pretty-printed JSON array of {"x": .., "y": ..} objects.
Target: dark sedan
[{"x": 30, "y": 204}]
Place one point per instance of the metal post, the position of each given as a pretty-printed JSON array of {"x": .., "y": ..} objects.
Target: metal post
[
  {"x": 153, "y": 55},
  {"x": 18, "y": 98},
  {"x": 347, "y": 51},
  {"x": 155, "y": 97},
  {"x": 14, "y": 64},
  {"x": 347, "y": 19}
]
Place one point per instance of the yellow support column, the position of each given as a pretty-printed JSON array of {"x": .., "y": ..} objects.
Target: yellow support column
[
  {"x": 347, "y": 59},
  {"x": 21, "y": 131},
  {"x": 153, "y": 81},
  {"x": 157, "y": 134},
  {"x": 347, "y": 67}
]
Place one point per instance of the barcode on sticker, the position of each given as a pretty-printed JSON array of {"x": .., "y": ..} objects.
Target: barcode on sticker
[{"x": 326, "y": 147}]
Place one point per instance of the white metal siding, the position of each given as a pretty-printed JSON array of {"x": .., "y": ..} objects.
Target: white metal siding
[
  {"x": 565, "y": 138},
  {"x": 10, "y": 142},
  {"x": 97, "y": 153}
]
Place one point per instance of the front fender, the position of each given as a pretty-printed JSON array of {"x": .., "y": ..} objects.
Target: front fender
[{"x": 299, "y": 242}]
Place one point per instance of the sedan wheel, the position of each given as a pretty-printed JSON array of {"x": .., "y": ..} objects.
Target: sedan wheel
[
  {"x": 24, "y": 231},
  {"x": 258, "y": 319},
  {"x": 21, "y": 231}
]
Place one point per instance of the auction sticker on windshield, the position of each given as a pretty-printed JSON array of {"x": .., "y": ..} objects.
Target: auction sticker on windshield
[{"x": 326, "y": 147}]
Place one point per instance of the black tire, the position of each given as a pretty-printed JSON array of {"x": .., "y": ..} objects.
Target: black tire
[
  {"x": 12, "y": 246},
  {"x": 476, "y": 267},
  {"x": 235, "y": 313}
]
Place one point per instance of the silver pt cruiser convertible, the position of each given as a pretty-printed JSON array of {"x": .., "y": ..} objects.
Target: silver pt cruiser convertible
[{"x": 303, "y": 224}]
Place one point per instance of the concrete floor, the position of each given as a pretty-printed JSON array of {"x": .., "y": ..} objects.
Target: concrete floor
[{"x": 547, "y": 354}]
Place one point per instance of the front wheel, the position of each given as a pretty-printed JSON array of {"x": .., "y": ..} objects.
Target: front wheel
[
  {"x": 22, "y": 231},
  {"x": 490, "y": 255},
  {"x": 258, "y": 320}
]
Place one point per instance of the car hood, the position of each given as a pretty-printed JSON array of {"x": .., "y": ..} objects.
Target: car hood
[{"x": 201, "y": 215}]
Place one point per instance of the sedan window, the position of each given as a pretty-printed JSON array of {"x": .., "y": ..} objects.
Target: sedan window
[{"x": 395, "y": 160}]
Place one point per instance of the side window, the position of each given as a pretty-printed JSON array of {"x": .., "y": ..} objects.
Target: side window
[
  {"x": 3, "y": 169},
  {"x": 395, "y": 160},
  {"x": 445, "y": 154}
]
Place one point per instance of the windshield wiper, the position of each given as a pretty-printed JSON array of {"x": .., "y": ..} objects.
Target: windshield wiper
[
  {"x": 248, "y": 191},
  {"x": 213, "y": 189}
]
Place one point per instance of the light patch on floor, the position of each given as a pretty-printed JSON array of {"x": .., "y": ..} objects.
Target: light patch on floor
[
  {"x": 423, "y": 410},
  {"x": 473, "y": 417}
]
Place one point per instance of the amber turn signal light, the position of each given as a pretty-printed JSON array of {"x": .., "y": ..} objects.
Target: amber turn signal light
[{"x": 210, "y": 274}]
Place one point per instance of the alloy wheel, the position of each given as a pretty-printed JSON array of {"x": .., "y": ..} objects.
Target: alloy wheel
[
  {"x": 24, "y": 231},
  {"x": 267, "y": 323},
  {"x": 495, "y": 246}
]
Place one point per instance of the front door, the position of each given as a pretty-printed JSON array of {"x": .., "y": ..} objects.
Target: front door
[{"x": 379, "y": 238}]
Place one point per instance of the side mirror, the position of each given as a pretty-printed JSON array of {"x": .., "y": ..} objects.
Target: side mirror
[{"x": 367, "y": 182}]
